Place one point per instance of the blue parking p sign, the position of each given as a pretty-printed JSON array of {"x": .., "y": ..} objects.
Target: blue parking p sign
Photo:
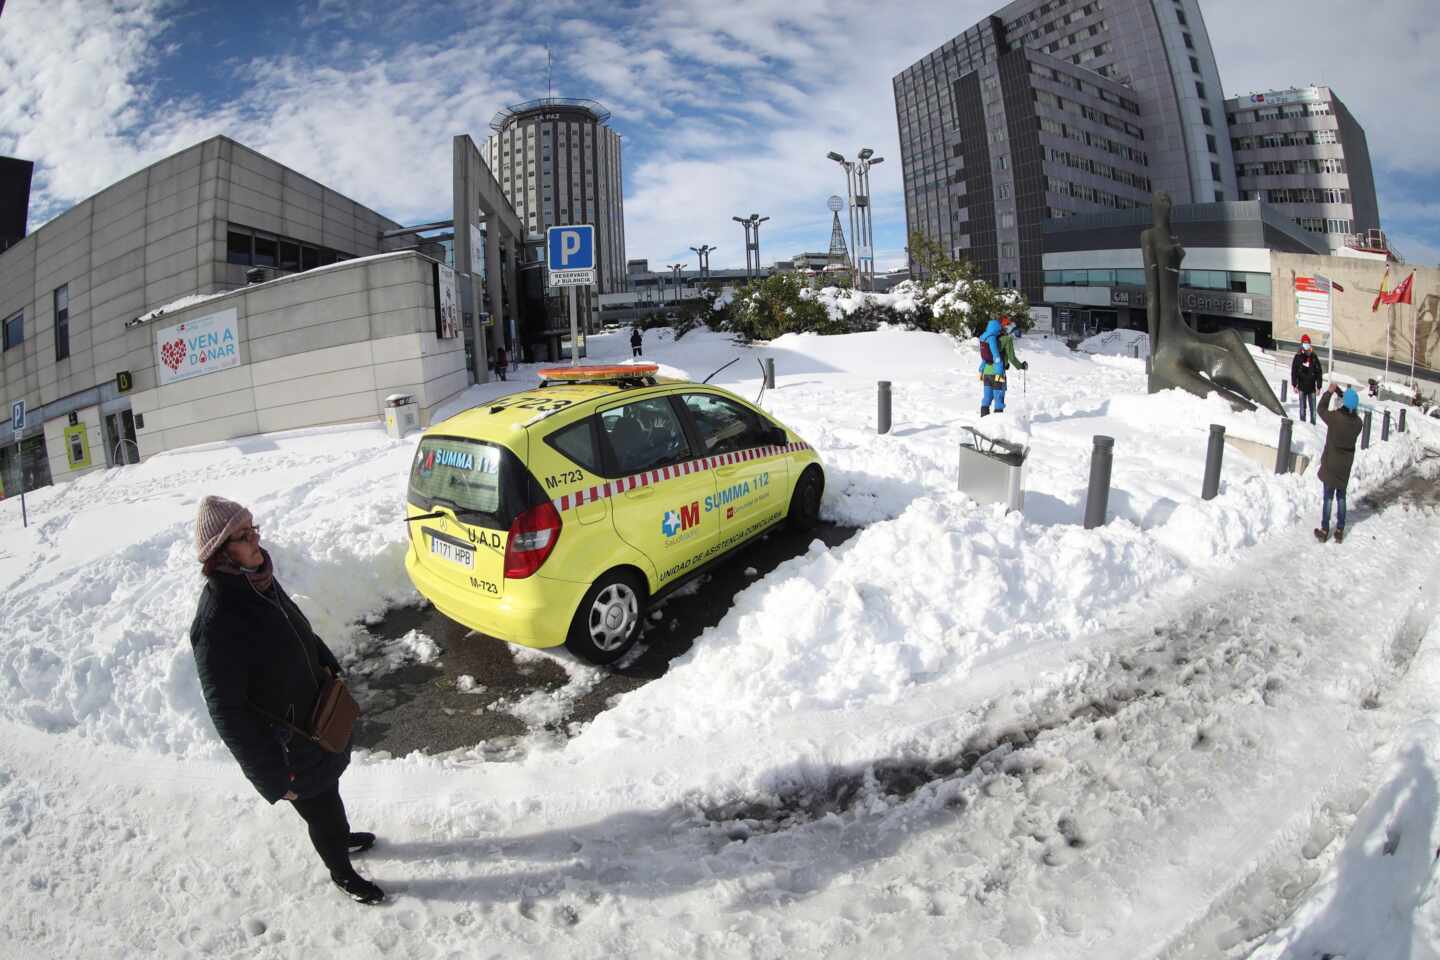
[
  {"x": 571, "y": 248},
  {"x": 17, "y": 416}
]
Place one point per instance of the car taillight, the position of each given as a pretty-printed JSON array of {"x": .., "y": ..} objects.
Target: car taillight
[{"x": 532, "y": 537}]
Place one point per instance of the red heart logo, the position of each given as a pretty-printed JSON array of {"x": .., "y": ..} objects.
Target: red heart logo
[{"x": 172, "y": 354}]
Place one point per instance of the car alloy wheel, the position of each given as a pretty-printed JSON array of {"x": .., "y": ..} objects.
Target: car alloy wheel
[{"x": 613, "y": 616}]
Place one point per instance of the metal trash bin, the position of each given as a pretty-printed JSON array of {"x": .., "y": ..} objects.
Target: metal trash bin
[
  {"x": 992, "y": 470},
  {"x": 402, "y": 415}
]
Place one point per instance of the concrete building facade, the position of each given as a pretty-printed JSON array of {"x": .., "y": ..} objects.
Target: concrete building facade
[
  {"x": 1302, "y": 151},
  {"x": 1054, "y": 107},
  {"x": 1095, "y": 271},
  {"x": 194, "y": 225},
  {"x": 559, "y": 162},
  {"x": 320, "y": 347}
]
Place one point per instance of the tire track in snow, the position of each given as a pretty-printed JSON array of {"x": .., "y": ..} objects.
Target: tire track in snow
[{"x": 1191, "y": 738}]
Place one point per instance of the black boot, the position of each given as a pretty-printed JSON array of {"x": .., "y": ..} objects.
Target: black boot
[
  {"x": 984, "y": 411},
  {"x": 359, "y": 889},
  {"x": 360, "y": 842}
]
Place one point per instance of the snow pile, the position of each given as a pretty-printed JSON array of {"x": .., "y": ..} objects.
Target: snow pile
[{"x": 959, "y": 723}]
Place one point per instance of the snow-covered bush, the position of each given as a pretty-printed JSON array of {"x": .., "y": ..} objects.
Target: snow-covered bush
[{"x": 951, "y": 300}]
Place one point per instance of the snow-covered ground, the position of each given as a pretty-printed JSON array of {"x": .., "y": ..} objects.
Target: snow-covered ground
[{"x": 1192, "y": 732}]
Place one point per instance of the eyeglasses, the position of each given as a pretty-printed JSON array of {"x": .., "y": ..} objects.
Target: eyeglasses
[{"x": 245, "y": 533}]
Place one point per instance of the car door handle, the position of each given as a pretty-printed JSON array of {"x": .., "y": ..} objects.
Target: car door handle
[
  {"x": 726, "y": 471},
  {"x": 639, "y": 493}
]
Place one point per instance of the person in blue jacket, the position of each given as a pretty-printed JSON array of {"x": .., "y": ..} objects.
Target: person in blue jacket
[{"x": 992, "y": 369}]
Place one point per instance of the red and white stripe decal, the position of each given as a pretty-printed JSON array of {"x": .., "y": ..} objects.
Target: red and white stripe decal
[{"x": 604, "y": 492}]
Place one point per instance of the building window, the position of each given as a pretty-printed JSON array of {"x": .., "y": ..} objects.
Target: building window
[
  {"x": 1200, "y": 89},
  {"x": 1215, "y": 171},
  {"x": 289, "y": 255},
  {"x": 62, "y": 322},
  {"x": 265, "y": 253},
  {"x": 15, "y": 330},
  {"x": 1003, "y": 191},
  {"x": 1210, "y": 142},
  {"x": 237, "y": 248},
  {"x": 1007, "y": 249},
  {"x": 1195, "y": 65},
  {"x": 1205, "y": 118},
  {"x": 1180, "y": 15}
]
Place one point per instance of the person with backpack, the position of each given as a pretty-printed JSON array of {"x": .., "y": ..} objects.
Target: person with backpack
[
  {"x": 501, "y": 363},
  {"x": 1306, "y": 377},
  {"x": 997, "y": 349},
  {"x": 1007, "y": 345},
  {"x": 1342, "y": 434}
]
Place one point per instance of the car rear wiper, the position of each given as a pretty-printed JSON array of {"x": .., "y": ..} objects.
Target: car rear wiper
[{"x": 425, "y": 516}]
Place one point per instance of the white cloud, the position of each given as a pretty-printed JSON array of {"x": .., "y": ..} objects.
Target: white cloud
[
  {"x": 725, "y": 108},
  {"x": 1378, "y": 57}
]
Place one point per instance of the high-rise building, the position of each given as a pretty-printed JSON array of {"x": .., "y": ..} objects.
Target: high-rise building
[
  {"x": 1053, "y": 107},
  {"x": 558, "y": 163},
  {"x": 1302, "y": 151}
]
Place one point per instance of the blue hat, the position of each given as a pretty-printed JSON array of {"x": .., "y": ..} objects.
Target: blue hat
[{"x": 1352, "y": 399}]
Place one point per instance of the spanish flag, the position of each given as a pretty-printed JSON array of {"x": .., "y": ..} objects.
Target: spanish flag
[{"x": 1380, "y": 297}]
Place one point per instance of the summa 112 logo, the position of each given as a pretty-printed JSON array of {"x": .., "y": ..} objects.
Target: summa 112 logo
[{"x": 676, "y": 522}]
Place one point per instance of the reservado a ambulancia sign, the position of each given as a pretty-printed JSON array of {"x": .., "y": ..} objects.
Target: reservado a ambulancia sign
[{"x": 197, "y": 347}]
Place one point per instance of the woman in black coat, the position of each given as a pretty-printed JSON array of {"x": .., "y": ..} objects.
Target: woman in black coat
[{"x": 261, "y": 667}]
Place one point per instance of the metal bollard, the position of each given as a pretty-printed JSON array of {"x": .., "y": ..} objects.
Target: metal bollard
[
  {"x": 1214, "y": 455},
  {"x": 1282, "y": 451},
  {"x": 1385, "y": 425},
  {"x": 1284, "y": 388},
  {"x": 1135, "y": 350},
  {"x": 1400, "y": 426},
  {"x": 770, "y": 373},
  {"x": 1365, "y": 432},
  {"x": 1097, "y": 499},
  {"x": 883, "y": 417}
]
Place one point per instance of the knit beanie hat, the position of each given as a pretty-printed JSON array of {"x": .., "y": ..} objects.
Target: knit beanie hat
[
  {"x": 1352, "y": 399},
  {"x": 217, "y": 522}
]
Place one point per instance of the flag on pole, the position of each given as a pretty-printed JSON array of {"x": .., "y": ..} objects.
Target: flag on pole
[
  {"x": 1403, "y": 293},
  {"x": 1383, "y": 292}
]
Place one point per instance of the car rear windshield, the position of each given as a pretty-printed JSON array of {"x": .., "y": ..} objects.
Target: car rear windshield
[{"x": 471, "y": 477}]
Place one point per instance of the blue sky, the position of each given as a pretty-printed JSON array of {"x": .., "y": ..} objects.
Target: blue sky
[{"x": 724, "y": 108}]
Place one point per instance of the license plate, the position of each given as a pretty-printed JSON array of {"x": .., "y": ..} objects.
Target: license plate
[{"x": 445, "y": 550}]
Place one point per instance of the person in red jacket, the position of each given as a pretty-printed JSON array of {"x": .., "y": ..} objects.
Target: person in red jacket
[{"x": 1306, "y": 377}]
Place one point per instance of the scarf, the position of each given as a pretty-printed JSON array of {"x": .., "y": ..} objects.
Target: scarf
[{"x": 261, "y": 577}]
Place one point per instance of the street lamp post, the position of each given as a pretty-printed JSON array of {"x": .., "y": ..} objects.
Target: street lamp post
[
  {"x": 862, "y": 235},
  {"x": 703, "y": 253},
  {"x": 678, "y": 282},
  {"x": 752, "y": 243}
]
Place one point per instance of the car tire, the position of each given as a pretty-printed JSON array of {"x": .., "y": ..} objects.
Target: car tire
[
  {"x": 805, "y": 500},
  {"x": 607, "y": 622}
]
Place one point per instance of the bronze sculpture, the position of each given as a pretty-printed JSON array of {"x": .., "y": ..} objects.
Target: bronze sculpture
[{"x": 1201, "y": 363}]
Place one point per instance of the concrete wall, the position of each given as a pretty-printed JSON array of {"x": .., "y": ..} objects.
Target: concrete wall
[
  {"x": 320, "y": 347},
  {"x": 154, "y": 237},
  {"x": 1359, "y": 332},
  {"x": 57, "y": 449}
]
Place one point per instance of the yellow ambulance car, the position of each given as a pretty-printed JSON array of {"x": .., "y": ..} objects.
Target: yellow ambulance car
[{"x": 553, "y": 516}]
